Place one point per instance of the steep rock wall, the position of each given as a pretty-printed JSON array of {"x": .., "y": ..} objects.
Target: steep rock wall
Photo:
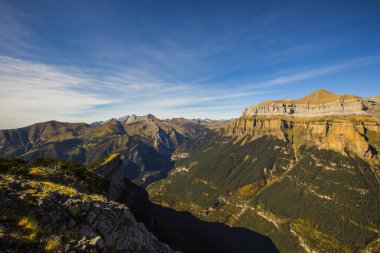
[
  {"x": 316, "y": 104},
  {"x": 336, "y": 108},
  {"x": 346, "y": 134}
]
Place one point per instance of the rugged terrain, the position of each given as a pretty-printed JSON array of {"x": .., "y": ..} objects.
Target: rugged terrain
[
  {"x": 343, "y": 123},
  {"x": 57, "y": 206},
  {"x": 145, "y": 142},
  {"x": 260, "y": 184},
  {"x": 319, "y": 103},
  {"x": 309, "y": 183},
  {"x": 289, "y": 175}
]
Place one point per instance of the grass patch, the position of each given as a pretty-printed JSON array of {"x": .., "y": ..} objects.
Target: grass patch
[
  {"x": 35, "y": 171},
  {"x": 53, "y": 244},
  {"x": 109, "y": 158},
  {"x": 250, "y": 189},
  {"x": 44, "y": 189},
  {"x": 28, "y": 223},
  {"x": 31, "y": 226},
  {"x": 50, "y": 168}
]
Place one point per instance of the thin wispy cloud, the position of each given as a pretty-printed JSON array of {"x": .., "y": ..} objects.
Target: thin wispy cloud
[
  {"x": 40, "y": 92},
  {"x": 189, "y": 100},
  {"x": 321, "y": 71},
  {"x": 32, "y": 92}
]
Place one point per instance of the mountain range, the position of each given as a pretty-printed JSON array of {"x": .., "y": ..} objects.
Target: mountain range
[
  {"x": 145, "y": 142},
  {"x": 287, "y": 175}
]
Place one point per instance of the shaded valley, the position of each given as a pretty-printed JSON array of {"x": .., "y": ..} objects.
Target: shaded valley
[{"x": 62, "y": 206}]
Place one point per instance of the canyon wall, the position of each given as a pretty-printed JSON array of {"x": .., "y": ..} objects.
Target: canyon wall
[
  {"x": 345, "y": 134},
  {"x": 344, "y": 123},
  {"x": 290, "y": 108}
]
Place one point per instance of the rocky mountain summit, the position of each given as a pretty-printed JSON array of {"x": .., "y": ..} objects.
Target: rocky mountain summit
[
  {"x": 345, "y": 123},
  {"x": 319, "y": 103}
]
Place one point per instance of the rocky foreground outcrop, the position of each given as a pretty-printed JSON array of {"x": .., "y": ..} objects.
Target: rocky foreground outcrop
[
  {"x": 345, "y": 123},
  {"x": 41, "y": 211}
]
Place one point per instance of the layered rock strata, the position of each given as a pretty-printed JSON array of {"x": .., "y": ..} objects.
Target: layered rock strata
[
  {"x": 319, "y": 103},
  {"x": 344, "y": 125}
]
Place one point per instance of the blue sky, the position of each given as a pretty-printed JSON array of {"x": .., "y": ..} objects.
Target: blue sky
[{"x": 84, "y": 61}]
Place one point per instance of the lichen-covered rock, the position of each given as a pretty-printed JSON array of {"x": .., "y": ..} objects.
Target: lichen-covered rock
[{"x": 38, "y": 215}]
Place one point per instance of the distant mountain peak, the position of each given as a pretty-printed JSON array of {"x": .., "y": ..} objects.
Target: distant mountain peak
[
  {"x": 320, "y": 96},
  {"x": 150, "y": 116},
  {"x": 355, "y": 122},
  {"x": 319, "y": 103},
  {"x": 129, "y": 119},
  {"x": 96, "y": 123}
]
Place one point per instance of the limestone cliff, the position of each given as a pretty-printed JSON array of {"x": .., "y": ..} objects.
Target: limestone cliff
[
  {"x": 319, "y": 103},
  {"x": 339, "y": 122}
]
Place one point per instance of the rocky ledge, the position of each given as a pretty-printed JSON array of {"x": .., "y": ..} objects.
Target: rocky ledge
[{"x": 38, "y": 213}]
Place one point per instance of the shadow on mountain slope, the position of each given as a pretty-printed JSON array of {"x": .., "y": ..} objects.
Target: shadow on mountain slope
[{"x": 183, "y": 231}]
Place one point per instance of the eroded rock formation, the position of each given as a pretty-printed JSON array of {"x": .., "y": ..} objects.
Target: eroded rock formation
[
  {"x": 345, "y": 123},
  {"x": 319, "y": 103}
]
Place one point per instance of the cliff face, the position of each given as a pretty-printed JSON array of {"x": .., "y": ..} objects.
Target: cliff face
[
  {"x": 343, "y": 134},
  {"x": 319, "y": 103},
  {"x": 343, "y": 125}
]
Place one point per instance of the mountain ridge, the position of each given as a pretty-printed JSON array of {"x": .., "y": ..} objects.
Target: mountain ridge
[
  {"x": 251, "y": 174},
  {"x": 145, "y": 142},
  {"x": 349, "y": 126},
  {"x": 319, "y": 96},
  {"x": 317, "y": 104}
]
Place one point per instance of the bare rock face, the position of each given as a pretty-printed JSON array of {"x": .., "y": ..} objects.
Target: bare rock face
[
  {"x": 41, "y": 215},
  {"x": 345, "y": 123},
  {"x": 319, "y": 103},
  {"x": 374, "y": 106}
]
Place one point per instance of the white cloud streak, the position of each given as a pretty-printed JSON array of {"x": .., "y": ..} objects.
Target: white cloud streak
[
  {"x": 33, "y": 92},
  {"x": 326, "y": 70}
]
